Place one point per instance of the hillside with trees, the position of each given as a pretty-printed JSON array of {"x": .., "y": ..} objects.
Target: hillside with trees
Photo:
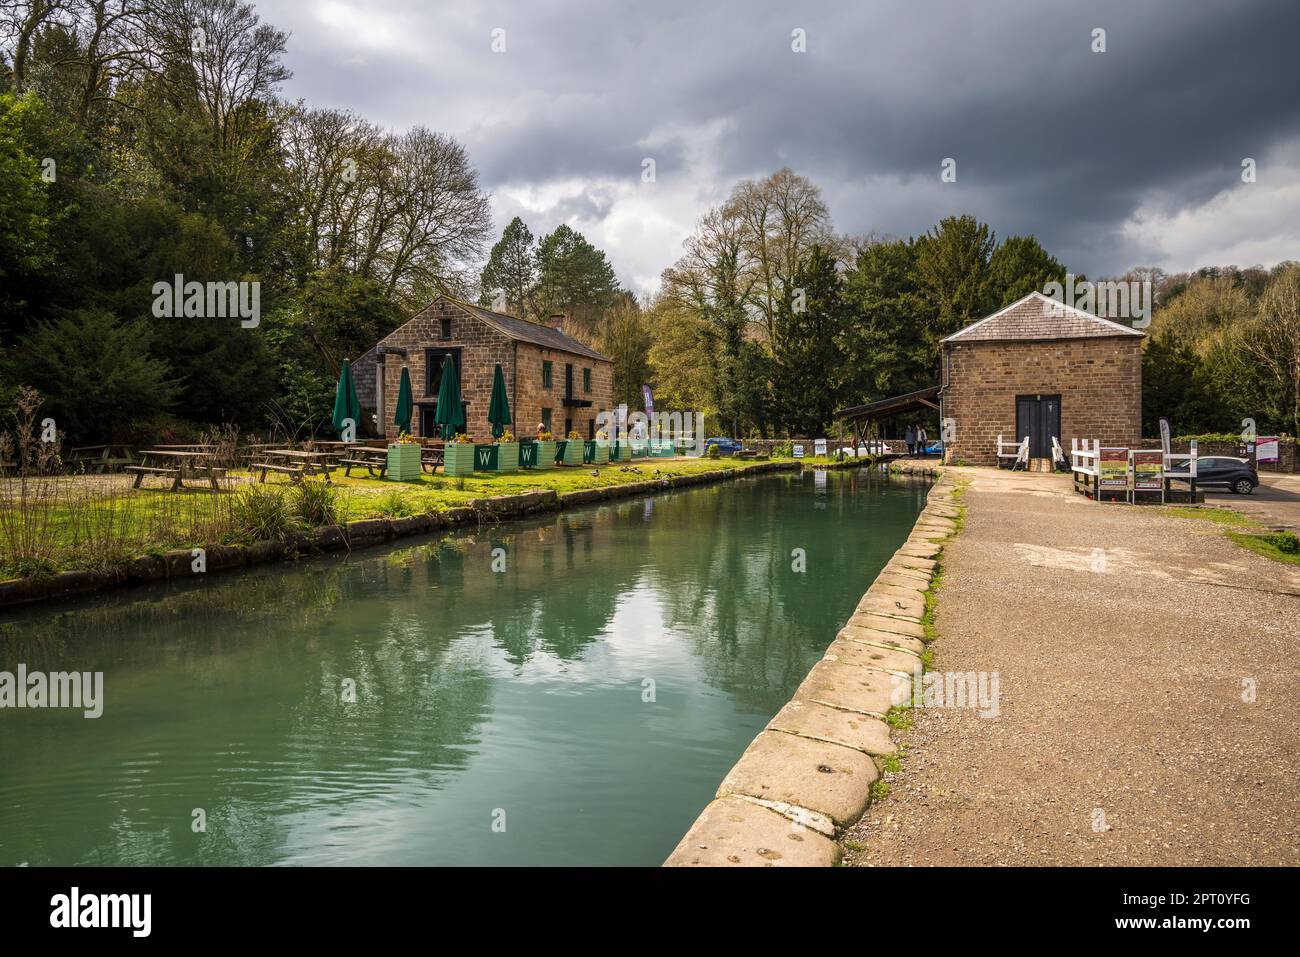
[{"x": 145, "y": 139}]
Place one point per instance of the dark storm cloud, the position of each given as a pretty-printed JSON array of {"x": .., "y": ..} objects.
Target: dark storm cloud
[{"x": 1049, "y": 137}]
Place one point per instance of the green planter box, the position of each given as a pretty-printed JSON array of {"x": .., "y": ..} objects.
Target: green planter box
[
  {"x": 621, "y": 452},
  {"x": 528, "y": 455},
  {"x": 507, "y": 456},
  {"x": 572, "y": 452},
  {"x": 458, "y": 458},
  {"x": 403, "y": 462},
  {"x": 597, "y": 452},
  {"x": 485, "y": 458},
  {"x": 661, "y": 450},
  {"x": 543, "y": 454}
]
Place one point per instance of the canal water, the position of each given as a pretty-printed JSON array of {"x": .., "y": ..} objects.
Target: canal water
[{"x": 565, "y": 691}]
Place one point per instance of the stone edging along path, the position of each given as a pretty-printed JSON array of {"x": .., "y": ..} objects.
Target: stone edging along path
[
  {"x": 810, "y": 773},
  {"x": 178, "y": 563}
]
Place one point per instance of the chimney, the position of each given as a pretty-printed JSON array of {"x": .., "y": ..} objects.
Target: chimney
[{"x": 556, "y": 321}]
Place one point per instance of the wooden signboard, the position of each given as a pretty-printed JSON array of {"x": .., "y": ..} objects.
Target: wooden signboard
[
  {"x": 1112, "y": 471},
  {"x": 1148, "y": 471}
]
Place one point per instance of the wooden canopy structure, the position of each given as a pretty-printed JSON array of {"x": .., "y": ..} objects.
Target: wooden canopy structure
[{"x": 859, "y": 415}]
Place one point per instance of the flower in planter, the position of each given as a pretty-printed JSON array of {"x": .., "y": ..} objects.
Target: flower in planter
[
  {"x": 544, "y": 436},
  {"x": 506, "y": 437},
  {"x": 460, "y": 438},
  {"x": 574, "y": 437},
  {"x": 602, "y": 435},
  {"x": 406, "y": 438}
]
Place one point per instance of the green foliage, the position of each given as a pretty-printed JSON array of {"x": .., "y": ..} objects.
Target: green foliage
[
  {"x": 24, "y": 213},
  {"x": 95, "y": 371},
  {"x": 1019, "y": 266},
  {"x": 1224, "y": 347},
  {"x": 810, "y": 347},
  {"x": 952, "y": 275},
  {"x": 314, "y": 504},
  {"x": 259, "y": 513},
  {"x": 1284, "y": 542},
  {"x": 393, "y": 504},
  {"x": 511, "y": 271},
  {"x": 1175, "y": 386},
  {"x": 346, "y": 313},
  {"x": 574, "y": 278},
  {"x": 626, "y": 339}
]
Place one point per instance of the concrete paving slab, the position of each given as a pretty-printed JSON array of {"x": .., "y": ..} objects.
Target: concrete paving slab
[
  {"x": 817, "y": 775},
  {"x": 733, "y": 832}
]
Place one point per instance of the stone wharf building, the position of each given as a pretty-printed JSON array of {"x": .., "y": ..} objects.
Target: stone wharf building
[
  {"x": 1039, "y": 368},
  {"x": 551, "y": 378}
]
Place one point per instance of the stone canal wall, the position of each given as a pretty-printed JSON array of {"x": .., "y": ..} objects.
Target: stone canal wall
[
  {"x": 180, "y": 563},
  {"x": 810, "y": 773}
]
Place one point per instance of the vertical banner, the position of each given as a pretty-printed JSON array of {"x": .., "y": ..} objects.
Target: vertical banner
[
  {"x": 649, "y": 410},
  {"x": 1164, "y": 436},
  {"x": 1112, "y": 470}
]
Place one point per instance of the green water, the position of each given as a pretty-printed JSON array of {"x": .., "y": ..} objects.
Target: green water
[{"x": 579, "y": 707}]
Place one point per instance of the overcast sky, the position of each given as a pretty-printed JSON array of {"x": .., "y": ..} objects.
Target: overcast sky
[{"x": 1128, "y": 157}]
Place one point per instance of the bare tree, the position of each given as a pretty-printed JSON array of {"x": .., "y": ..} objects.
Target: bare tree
[{"x": 783, "y": 216}]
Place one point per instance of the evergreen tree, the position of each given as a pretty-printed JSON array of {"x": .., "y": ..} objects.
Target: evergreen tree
[{"x": 511, "y": 271}]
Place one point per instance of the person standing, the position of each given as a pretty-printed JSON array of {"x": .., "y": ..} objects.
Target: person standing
[
  {"x": 909, "y": 436},
  {"x": 921, "y": 439}
]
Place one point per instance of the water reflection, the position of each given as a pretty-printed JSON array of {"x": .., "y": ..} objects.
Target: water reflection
[{"x": 476, "y": 690}]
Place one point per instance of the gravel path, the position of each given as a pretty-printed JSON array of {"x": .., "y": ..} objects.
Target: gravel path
[{"x": 1125, "y": 641}]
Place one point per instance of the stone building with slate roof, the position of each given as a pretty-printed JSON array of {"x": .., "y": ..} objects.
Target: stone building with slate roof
[
  {"x": 1040, "y": 369},
  {"x": 551, "y": 377}
]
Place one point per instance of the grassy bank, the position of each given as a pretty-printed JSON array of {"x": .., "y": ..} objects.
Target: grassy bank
[
  {"x": 1245, "y": 531},
  {"x": 57, "y": 523}
]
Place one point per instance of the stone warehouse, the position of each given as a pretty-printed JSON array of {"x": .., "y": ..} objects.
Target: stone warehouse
[
  {"x": 1040, "y": 369},
  {"x": 551, "y": 378}
]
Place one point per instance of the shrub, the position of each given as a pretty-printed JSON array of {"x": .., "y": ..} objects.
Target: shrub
[
  {"x": 1284, "y": 542},
  {"x": 315, "y": 504},
  {"x": 259, "y": 513},
  {"x": 393, "y": 504},
  {"x": 712, "y": 452}
]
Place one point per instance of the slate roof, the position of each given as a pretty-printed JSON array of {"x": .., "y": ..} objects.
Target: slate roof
[
  {"x": 1039, "y": 317},
  {"x": 525, "y": 331}
]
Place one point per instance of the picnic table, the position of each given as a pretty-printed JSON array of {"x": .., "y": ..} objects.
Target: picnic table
[
  {"x": 295, "y": 463},
  {"x": 431, "y": 457},
  {"x": 101, "y": 457},
  {"x": 179, "y": 464},
  {"x": 373, "y": 460}
]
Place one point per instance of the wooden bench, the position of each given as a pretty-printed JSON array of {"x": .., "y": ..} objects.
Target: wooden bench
[
  {"x": 101, "y": 458},
  {"x": 430, "y": 459},
  {"x": 296, "y": 471},
  {"x": 142, "y": 470},
  {"x": 370, "y": 463}
]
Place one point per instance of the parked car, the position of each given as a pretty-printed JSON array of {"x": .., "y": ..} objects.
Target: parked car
[
  {"x": 1236, "y": 475},
  {"x": 725, "y": 446}
]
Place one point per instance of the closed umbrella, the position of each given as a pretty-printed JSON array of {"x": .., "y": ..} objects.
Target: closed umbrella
[
  {"x": 449, "y": 413},
  {"x": 404, "y": 405},
  {"x": 499, "y": 407},
  {"x": 346, "y": 405}
]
